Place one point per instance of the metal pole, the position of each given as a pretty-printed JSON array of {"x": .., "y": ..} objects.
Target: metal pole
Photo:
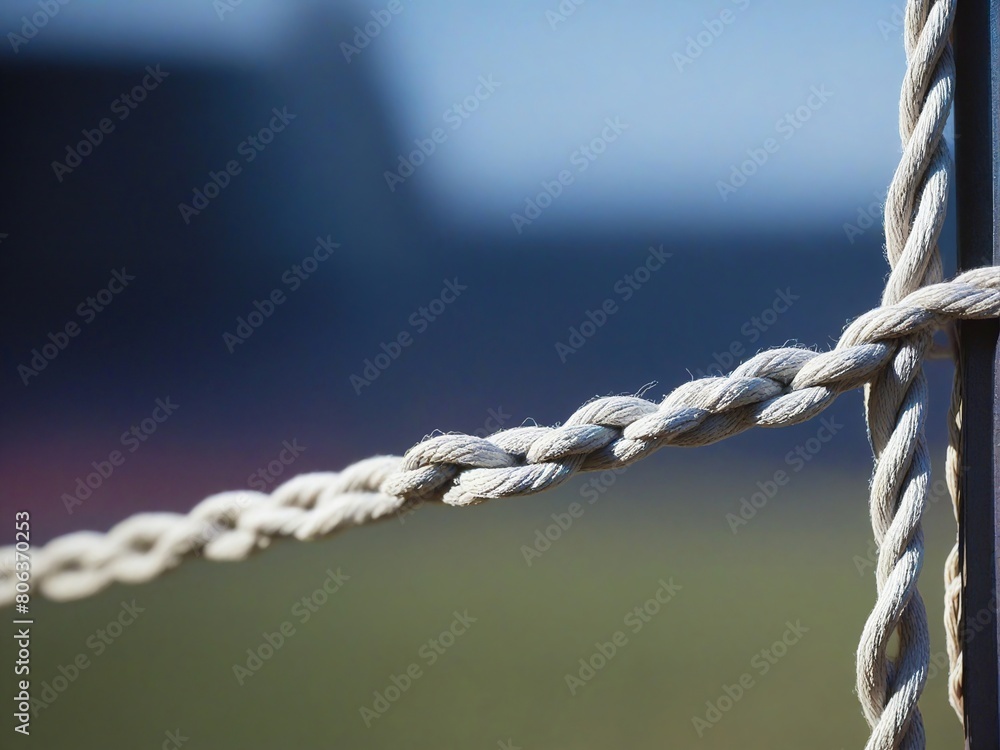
[{"x": 977, "y": 157}]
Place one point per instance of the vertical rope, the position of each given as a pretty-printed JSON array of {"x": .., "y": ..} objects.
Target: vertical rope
[
  {"x": 954, "y": 564},
  {"x": 896, "y": 399}
]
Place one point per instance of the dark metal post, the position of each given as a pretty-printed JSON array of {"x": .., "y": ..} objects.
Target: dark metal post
[{"x": 977, "y": 146}]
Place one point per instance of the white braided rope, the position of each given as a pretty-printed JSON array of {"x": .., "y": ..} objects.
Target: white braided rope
[
  {"x": 777, "y": 387},
  {"x": 225, "y": 526},
  {"x": 896, "y": 398}
]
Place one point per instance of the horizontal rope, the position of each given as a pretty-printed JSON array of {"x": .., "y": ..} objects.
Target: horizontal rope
[{"x": 775, "y": 388}]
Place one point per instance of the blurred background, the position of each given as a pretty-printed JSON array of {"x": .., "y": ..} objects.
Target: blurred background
[{"x": 706, "y": 176}]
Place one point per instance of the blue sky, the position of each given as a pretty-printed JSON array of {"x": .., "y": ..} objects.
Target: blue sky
[{"x": 701, "y": 87}]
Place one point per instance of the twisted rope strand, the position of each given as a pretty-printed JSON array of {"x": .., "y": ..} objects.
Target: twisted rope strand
[
  {"x": 896, "y": 398},
  {"x": 778, "y": 387},
  {"x": 953, "y": 608}
]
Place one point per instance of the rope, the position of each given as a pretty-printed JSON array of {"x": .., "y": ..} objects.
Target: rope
[
  {"x": 896, "y": 398},
  {"x": 883, "y": 350},
  {"x": 953, "y": 563},
  {"x": 778, "y": 387}
]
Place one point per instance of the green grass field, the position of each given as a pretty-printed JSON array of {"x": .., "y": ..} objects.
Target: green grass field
[{"x": 504, "y": 677}]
